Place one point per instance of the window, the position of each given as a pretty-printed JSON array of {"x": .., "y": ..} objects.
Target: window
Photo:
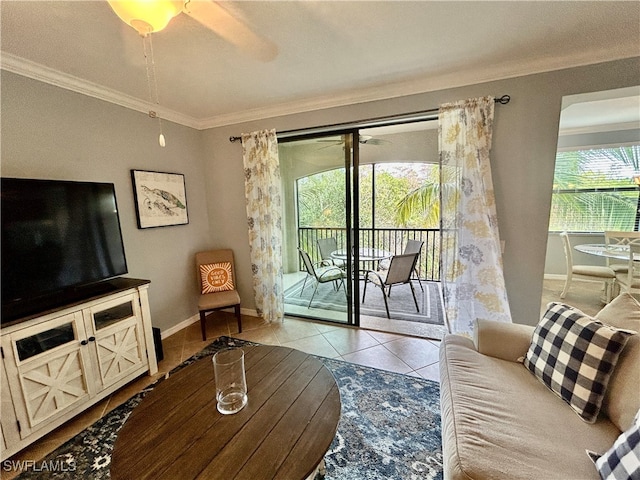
[{"x": 596, "y": 190}]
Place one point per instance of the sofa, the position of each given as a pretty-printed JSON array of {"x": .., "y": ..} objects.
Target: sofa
[{"x": 500, "y": 421}]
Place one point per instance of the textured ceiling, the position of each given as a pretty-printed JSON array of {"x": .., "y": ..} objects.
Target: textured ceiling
[{"x": 329, "y": 53}]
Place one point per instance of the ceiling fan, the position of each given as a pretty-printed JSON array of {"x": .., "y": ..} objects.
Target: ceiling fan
[
  {"x": 150, "y": 16},
  {"x": 369, "y": 140},
  {"x": 362, "y": 139}
]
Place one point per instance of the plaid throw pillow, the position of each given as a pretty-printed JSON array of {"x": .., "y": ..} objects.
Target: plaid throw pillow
[
  {"x": 622, "y": 460},
  {"x": 574, "y": 355}
]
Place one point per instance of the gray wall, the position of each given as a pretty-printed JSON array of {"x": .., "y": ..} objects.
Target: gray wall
[
  {"x": 524, "y": 146},
  {"x": 52, "y": 133},
  {"x": 48, "y": 132}
]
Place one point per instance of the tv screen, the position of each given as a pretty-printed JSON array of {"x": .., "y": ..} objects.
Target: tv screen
[{"x": 59, "y": 238}]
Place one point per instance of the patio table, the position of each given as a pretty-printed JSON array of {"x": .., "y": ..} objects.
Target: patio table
[{"x": 365, "y": 256}]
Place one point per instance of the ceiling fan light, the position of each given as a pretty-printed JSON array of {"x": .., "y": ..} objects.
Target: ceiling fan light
[{"x": 146, "y": 16}]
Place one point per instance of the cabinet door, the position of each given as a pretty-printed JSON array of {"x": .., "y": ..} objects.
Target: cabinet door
[
  {"x": 119, "y": 338},
  {"x": 8, "y": 425},
  {"x": 47, "y": 370}
]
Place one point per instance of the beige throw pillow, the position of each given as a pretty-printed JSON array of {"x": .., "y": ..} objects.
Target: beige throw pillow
[{"x": 622, "y": 399}]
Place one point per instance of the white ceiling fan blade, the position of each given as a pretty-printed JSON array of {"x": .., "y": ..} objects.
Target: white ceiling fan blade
[{"x": 218, "y": 19}]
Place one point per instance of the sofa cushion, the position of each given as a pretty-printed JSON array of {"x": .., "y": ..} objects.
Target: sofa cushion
[
  {"x": 622, "y": 399},
  {"x": 508, "y": 341},
  {"x": 622, "y": 460},
  {"x": 574, "y": 355},
  {"x": 499, "y": 422}
]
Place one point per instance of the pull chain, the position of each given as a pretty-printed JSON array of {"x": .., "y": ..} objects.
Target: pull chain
[{"x": 152, "y": 83}]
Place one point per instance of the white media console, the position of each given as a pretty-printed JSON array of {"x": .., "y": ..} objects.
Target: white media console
[{"x": 60, "y": 362}]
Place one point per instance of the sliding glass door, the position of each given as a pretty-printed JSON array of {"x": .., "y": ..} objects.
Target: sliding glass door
[
  {"x": 317, "y": 175},
  {"x": 351, "y": 206}
]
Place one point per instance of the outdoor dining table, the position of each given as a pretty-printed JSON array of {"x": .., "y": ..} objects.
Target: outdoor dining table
[
  {"x": 367, "y": 257},
  {"x": 364, "y": 254}
]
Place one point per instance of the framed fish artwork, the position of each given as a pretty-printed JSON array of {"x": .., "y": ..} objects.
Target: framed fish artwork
[{"x": 160, "y": 198}]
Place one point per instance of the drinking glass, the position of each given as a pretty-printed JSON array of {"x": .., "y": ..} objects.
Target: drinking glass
[{"x": 231, "y": 384}]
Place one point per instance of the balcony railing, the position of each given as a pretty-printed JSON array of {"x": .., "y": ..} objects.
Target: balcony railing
[{"x": 389, "y": 239}]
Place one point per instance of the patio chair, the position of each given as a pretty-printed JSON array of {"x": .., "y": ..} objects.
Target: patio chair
[
  {"x": 629, "y": 281},
  {"x": 321, "y": 274},
  {"x": 327, "y": 246},
  {"x": 216, "y": 275},
  {"x": 586, "y": 272},
  {"x": 400, "y": 269},
  {"x": 412, "y": 246}
]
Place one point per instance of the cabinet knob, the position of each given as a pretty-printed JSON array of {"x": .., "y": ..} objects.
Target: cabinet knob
[
  {"x": 83, "y": 342},
  {"x": 92, "y": 339}
]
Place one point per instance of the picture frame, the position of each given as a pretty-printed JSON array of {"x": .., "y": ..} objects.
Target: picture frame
[{"x": 160, "y": 198}]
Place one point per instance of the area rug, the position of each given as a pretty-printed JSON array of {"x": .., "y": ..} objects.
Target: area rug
[
  {"x": 401, "y": 304},
  {"x": 389, "y": 428}
]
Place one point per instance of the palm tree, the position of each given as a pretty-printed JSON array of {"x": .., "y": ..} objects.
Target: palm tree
[
  {"x": 577, "y": 173},
  {"x": 425, "y": 199},
  {"x": 593, "y": 189},
  {"x": 628, "y": 156}
]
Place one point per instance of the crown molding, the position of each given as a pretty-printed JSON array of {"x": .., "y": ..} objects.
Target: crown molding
[
  {"x": 419, "y": 85},
  {"x": 424, "y": 84},
  {"x": 610, "y": 127},
  {"x": 36, "y": 71}
]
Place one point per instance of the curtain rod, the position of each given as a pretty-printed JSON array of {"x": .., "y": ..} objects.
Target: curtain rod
[{"x": 411, "y": 117}]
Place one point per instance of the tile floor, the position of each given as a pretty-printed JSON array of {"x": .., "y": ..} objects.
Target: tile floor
[{"x": 397, "y": 353}]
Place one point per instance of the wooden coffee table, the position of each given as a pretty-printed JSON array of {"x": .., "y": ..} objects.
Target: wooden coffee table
[{"x": 283, "y": 432}]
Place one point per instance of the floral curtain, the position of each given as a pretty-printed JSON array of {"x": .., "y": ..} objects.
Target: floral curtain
[
  {"x": 264, "y": 216},
  {"x": 472, "y": 275}
]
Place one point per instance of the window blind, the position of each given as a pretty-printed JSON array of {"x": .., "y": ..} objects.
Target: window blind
[{"x": 594, "y": 190}]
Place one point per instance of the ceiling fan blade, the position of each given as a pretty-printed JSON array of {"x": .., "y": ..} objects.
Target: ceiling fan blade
[
  {"x": 376, "y": 141},
  {"x": 218, "y": 19}
]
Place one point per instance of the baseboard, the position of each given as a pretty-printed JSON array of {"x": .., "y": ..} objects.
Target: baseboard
[
  {"x": 559, "y": 276},
  {"x": 555, "y": 276},
  {"x": 176, "y": 328},
  {"x": 196, "y": 318}
]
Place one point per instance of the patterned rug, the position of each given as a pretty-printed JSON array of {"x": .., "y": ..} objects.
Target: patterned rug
[
  {"x": 401, "y": 304},
  {"x": 389, "y": 428}
]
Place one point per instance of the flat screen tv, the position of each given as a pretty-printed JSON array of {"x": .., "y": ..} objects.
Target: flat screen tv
[{"x": 61, "y": 240}]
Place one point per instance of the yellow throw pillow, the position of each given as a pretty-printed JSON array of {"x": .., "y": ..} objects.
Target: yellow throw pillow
[{"x": 216, "y": 277}]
